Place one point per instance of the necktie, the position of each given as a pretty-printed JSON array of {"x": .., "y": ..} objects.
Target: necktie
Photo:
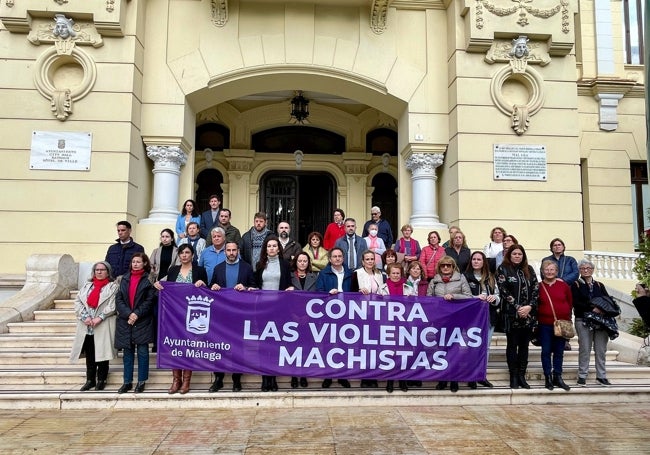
[{"x": 351, "y": 261}]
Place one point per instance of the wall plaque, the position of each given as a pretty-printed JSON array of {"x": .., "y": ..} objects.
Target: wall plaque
[
  {"x": 520, "y": 162},
  {"x": 60, "y": 151}
]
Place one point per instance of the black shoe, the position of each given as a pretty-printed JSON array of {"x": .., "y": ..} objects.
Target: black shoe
[
  {"x": 472, "y": 385},
  {"x": 363, "y": 383},
  {"x": 139, "y": 387},
  {"x": 389, "y": 386},
  {"x": 403, "y": 386},
  {"x": 582, "y": 382},
  {"x": 274, "y": 384},
  {"x": 326, "y": 383},
  {"x": 514, "y": 383},
  {"x": 548, "y": 382},
  {"x": 303, "y": 382},
  {"x": 373, "y": 384},
  {"x": 266, "y": 384},
  {"x": 125, "y": 387},
  {"x": 453, "y": 386},
  {"x": 522, "y": 382},
  {"x": 216, "y": 385},
  {"x": 236, "y": 386},
  {"x": 442, "y": 385},
  {"x": 87, "y": 386},
  {"x": 294, "y": 382},
  {"x": 344, "y": 383},
  {"x": 603, "y": 381},
  {"x": 486, "y": 383},
  {"x": 101, "y": 385},
  {"x": 559, "y": 382}
]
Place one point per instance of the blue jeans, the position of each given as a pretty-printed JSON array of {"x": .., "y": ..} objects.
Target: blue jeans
[
  {"x": 143, "y": 362},
  {"x": 551, "y": 345}
]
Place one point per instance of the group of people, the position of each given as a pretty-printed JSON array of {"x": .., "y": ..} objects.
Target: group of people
[{"x": 122, "y": 314}]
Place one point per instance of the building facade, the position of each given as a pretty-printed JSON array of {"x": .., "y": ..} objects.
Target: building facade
[{"x": 477, "y": 113}]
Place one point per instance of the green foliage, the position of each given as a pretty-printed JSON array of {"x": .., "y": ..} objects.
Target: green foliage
[
  {"x": 638, "y": 328},
  {"x": 642, "y": 264}
]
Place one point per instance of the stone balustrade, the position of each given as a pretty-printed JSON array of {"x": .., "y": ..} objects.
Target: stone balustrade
[{"x": 617, "y": 266}]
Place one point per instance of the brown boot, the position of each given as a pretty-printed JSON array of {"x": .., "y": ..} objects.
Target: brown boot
[
  {"x": 176, "y": 381},
  {"x": 187, "y": 377}
]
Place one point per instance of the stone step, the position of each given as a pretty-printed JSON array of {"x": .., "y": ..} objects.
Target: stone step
[
  {"x": 53, "y": 315},
  {"x": 44, "y": 341},
  {"x": 64, "y": 304},
  {"x": 154, "y": 398},
  {"x": 49, "y": 327}
]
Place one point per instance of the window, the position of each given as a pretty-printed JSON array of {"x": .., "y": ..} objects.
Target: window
[
  {"x": 640, "y": 199},
  {"x": 633, "y": 12}
]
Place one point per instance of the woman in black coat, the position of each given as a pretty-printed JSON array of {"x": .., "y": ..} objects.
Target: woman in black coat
[
  {"x": 187, "y": 272},
  {"x": 272, "y": 272},
  {"x": 135, "y": 322}
]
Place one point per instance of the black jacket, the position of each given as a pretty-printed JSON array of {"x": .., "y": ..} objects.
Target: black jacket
[
  {"x": 285, "y": 275},
  {"x": 245, "y": 275},
  {"x": 142, "y": 332}
]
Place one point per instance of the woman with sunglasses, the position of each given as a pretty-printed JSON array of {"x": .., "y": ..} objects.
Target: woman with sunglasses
[{"x": 449, "y": 284}]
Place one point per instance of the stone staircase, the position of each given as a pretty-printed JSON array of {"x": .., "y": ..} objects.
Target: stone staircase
[{"x": 35, "y": 373}]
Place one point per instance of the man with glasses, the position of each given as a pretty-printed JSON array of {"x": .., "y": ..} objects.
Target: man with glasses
[
  {"x": 120, "y": 253},
  {"x": 383, "y": 227}
]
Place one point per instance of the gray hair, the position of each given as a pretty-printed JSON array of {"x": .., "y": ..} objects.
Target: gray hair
[
  {"x": 586, "y": 262},
  {"x": 108, "y": 268},
  {"x": 218, "y": 229}
]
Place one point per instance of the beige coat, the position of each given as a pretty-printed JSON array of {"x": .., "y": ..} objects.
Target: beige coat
[{"x": 104, "y": 333}]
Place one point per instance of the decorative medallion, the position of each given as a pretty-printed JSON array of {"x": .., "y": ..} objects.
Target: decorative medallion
[{"x": 378, "y": 14}]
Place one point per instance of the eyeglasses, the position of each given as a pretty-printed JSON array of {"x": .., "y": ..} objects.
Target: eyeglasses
[
  {"x": 100, "y": 270},
  {"x": 445, "y": 265},
  {"x": 586, "y": 268}
]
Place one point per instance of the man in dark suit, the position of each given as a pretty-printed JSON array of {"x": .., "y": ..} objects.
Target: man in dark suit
[
  {"x": 120, "y": 253},
  {"x": 236, "y": 274},
  {"x": 210, "y": 218},
  {"x": 359, "y": 245}
]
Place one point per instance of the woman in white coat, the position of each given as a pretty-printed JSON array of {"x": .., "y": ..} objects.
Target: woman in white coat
[{"x": 95, "y": 312}]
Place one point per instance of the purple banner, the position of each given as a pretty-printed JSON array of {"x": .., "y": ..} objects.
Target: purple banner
[{"x": 347, "y": 335}]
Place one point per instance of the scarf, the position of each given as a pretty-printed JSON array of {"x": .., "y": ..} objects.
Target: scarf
[
  {"x": 257, "y": 240},
  {"x": 374, "y": 244},
  {"x": 136, "y": 275},
  {"x": 445, "y": 278},
  {"x": 93, "y": 297},
  {"x": 396, "y": 287}
]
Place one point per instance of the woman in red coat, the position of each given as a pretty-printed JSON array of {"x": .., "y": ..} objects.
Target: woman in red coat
[{"x": 555, "y": 302}]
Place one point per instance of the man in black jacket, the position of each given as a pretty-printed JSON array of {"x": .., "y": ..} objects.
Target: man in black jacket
[{"x": 120, "y": 253}]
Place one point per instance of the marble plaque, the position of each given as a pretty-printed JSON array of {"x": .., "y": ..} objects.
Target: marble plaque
[
  {"x": 60, "y": 150},
  {"x": 520, "y": 162}
]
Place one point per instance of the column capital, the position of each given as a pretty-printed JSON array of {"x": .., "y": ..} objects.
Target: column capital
[
  {"x": 424, "y": 162},
  {"x": 167, "y": 156}
]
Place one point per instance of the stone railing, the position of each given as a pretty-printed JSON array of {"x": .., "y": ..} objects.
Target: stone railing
[{"x": 616, "y": 266}]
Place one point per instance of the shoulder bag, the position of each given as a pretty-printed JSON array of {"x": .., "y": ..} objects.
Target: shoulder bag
[{"x": 561, "y": 327}]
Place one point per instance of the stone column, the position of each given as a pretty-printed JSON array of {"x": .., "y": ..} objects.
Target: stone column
[
  {"x": 166, "y": 178},
  {"x": 424, "y": 192}
]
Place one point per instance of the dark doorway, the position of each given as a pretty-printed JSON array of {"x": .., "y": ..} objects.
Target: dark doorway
[
  {"x": 209, "y": 182},
  {"x": 385, "y": 197},
  {"x": 304, "y": 199}
]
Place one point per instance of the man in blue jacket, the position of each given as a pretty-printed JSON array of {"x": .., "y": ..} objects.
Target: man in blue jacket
[{"x": 120, "y": 253}]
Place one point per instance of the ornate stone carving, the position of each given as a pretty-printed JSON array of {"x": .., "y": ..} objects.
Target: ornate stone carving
[
  {"x": 61, "y": 2},
  {"x": 501, "y": 51},
  {"x": 378, "y": 14},
  {"x": 110, "y": 5},
  {"x": 519, "y": 71},
  {"x": 524, "y": 8},
  {"x": 355, "y": 168},
  {"x": 170, "y": 157},
  {"x": 424, "y": 163},
  {"x": 10, "y": 3},
  {"x": 219, "y": 12},
  {"x": 64, "y": 33},
  {"x": 243, "y": 165}
]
